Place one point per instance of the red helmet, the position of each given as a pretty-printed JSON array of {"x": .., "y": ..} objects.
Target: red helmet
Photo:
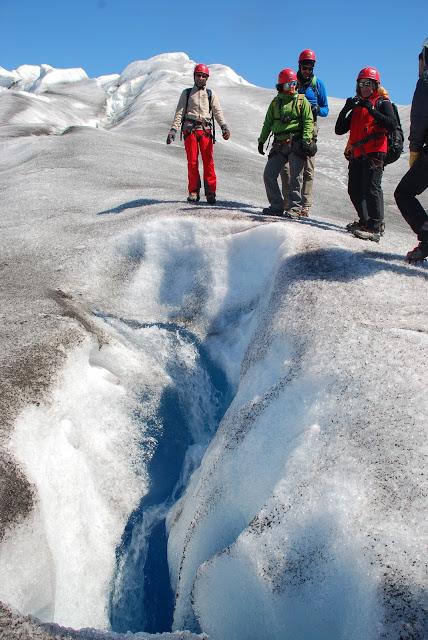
[
  {"x": 201, "y": 68},
  {"x": 287, "y": 75},
  {"x": 308, "y": 54},
  {"x": 369, "y": 73}
]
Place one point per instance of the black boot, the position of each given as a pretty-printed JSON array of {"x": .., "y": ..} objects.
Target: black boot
[
  {"x": 353, "y": 226},
  {"x": 211, "y": 197},
  {"x": 418, "y": 253},
  {"x": 372, "y": 231}
]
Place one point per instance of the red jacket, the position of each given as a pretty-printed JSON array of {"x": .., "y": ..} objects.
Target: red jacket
[{"x": 362, "y": 125}]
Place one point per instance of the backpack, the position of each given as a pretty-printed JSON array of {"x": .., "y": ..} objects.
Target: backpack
[
  {"x": 210, "y": 95},
  {"x": 395, "y": 138},
  {"x": 313, "y": 85}
]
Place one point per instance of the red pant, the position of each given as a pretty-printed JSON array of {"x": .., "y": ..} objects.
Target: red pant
[{"x": 193, "y": 142}]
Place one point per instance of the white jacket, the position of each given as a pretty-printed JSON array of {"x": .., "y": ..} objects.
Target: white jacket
[{"x": 198, "y": 107}]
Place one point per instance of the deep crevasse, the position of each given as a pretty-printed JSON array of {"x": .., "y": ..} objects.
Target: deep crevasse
[
  {"x": 288, "y": 520},
  {"x": 98, "y": 436}
]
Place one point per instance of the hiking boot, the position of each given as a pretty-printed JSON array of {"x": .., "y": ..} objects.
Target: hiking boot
[
  {"x": 356, "y": 224},
  {"x": 293, "y": 215},
  {"x": 363, "y": 233},
  {"x": 272, "y": 211},
  {"x": 420, "y": 252},
  {"x": 211, "y": 197},
  {"x": 304, "y": 212},
  {"x": 193, "y": 197}
]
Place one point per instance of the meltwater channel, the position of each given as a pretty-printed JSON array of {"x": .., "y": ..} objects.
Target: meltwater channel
[{"x": 188, "y": 413}]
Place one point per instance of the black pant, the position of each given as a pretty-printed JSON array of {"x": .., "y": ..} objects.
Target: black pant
[
  {"x": 413, "y": 183},
  {"x": 365, "y": 189}
]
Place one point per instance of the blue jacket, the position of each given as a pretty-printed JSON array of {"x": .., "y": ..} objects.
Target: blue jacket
[{"x": 315, "y": 95}]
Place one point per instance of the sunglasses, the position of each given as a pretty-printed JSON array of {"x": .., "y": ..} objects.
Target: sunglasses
[
  {"x": 201, "y": 75},
  {"x": 364, "y": 83},
  {"x": 289, "y": 85},
  {"x": 306, "y": 67}
]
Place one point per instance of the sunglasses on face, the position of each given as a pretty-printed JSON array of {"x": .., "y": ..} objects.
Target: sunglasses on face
[
  {"x": 305, "y": 67},
  {"x": 201, "y": 75},
  {"x": 289, "y": 85},
  {"x": 364, "y": 83}
]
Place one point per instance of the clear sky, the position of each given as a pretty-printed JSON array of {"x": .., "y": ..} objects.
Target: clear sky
[{"x": 256, "y": 39}]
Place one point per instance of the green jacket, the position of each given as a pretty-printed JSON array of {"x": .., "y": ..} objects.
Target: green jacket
[{"x": 286, "y": 108}]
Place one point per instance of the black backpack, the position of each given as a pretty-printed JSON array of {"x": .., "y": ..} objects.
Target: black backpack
[{"x": 395, "y": 139}]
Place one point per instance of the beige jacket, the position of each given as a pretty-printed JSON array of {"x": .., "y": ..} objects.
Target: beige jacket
[{"x": 198, "y": 108}]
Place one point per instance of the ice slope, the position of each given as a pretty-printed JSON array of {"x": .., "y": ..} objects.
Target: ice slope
[
  {"x": 211, "y": 420},
  {"x": 39, "y": 78}
]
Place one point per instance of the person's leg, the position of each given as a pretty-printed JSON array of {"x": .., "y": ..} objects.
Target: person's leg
[
  {"x": 191, "y": 146},
  {"x": 207, "y": 152},
  {"x": 297, "y": 164},
  {"x": 285, "y": 184},
  {"x": 308, "y": 177},
  {"x": 372, "y": 186},
  {"x": 271, "y": 173},
  {"x": 413, "y": 183},
  {"x": 355, "y": 188},
  {"x": 308, "y": 183}
]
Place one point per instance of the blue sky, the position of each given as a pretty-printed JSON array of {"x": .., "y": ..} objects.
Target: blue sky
[{"x": 256, "y": 39}]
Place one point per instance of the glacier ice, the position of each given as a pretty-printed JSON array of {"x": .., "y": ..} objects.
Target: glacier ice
[{"x": 234, "y": 400}]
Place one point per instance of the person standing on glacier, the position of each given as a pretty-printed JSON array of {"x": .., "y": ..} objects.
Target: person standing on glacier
[
  {"x": 314, "y": 90},
  {"x": 194, "y": 116},
  {"x": 415, "y": 181},
  {"x": 289, "y": 118},
  {"x": 367, "y": 117}
]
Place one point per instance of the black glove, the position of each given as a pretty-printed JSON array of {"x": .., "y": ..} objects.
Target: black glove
[
  {"x": 368, "y": 105},
  {"x": 306, "y": 147},
  {"x": 351, "y": 103},
  {"x": 315, "y": 110},
  {"x": 225, "y": 132},
  {"x": 260, "y": 149},
  {"x": 171, "y": 136}
]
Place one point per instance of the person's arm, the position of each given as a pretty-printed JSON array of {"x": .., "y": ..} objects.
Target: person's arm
[
  {"x": 322, "y": 99},
  {"x": 384, "y": 114},
  {"x": 307, "y": 120},
  {"x": 343, "y": 122},
  {"x": 179, "y": 112},
  {"x": 419, "y": 118},
  {"x": 267, "y": 125},
  {"x": 218, "y": 115},
  {"x": 217, "y": 110}
]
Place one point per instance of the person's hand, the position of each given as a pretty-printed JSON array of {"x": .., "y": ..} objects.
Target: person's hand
[
  {"x": 225, "y": 132},
  {"x": 368, "y": 105},
  {"x": 260, "y": 149},
  {"x": 351, "y": 103},
  {"x": 306, "y": 147},
  {"x": 171, "y": 136},
  {"x": 315, "y": 110},
  {"x": 414, "y": 155}
]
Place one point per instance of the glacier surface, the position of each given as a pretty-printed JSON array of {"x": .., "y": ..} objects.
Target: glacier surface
[{"x": 213, "y": 422}]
